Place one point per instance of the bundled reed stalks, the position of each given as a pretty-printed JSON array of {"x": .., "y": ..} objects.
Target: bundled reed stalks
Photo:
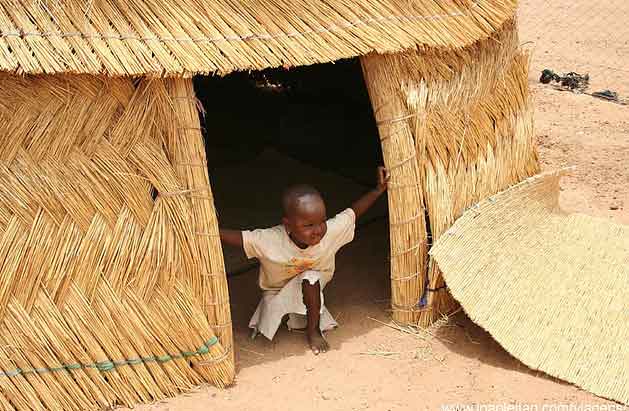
[
  {"x": 468, "y": 118},
  {"x": 185, "y": 143},
  {"x": 405, "y": 196},
  {"x": 104, "y": 297}
]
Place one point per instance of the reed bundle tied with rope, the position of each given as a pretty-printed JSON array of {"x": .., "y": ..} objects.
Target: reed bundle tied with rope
[
  {"x": 456, "y": 126},
  {"x": 112, "y": 285}
]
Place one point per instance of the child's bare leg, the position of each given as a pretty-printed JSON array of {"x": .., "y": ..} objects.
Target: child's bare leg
[{"x": 312, "y": 300}]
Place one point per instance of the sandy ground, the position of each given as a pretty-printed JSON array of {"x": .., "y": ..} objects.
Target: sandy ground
[
  {"x": 577, "y": 129},
  {"x": 372, "y": 366}
]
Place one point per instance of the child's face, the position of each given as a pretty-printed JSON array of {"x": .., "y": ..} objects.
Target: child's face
[{"x": 306, "y": 225}]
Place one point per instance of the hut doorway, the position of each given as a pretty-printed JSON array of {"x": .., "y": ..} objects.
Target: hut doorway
[{"x": 266, "y": 130}]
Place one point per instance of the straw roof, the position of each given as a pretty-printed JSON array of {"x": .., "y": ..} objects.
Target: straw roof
[
  {"x": 182, "y": 38},
  {"x": 550, "y": 287}
]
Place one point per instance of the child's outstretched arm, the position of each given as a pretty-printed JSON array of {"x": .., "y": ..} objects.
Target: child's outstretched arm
[
  {"x": 365, "y": 202},
  {"x": 231, "y": 237}
]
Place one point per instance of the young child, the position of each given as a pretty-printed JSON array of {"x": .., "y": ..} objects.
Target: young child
[{"x": 297, "y": 260}]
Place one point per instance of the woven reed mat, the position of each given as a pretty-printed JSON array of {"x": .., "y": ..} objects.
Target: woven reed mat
[{"x": 552, "y": 288}]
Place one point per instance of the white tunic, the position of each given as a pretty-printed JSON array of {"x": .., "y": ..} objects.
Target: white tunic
[{"x": 283, "y": 267}]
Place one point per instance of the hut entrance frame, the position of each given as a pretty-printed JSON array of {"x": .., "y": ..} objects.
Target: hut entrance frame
[
  {"x": 454, "y": 127},
  {"x": 447, "y": 145}
]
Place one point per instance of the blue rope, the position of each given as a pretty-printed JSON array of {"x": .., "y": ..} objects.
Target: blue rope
[{"x": 110, "y": 365}]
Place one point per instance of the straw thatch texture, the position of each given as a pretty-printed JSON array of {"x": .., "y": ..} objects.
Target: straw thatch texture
[
  {"x": 112, "y": 286},
  {"x": 455, "y": 127},
  {"x": 552, "y": 288},
  {"x": 181, "y": 38}
]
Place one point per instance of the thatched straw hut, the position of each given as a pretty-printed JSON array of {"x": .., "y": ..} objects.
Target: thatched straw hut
[{"x": 113, "y": 287}]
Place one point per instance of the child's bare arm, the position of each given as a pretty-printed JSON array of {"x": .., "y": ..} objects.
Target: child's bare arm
[
  {"x": 365, "y": 202},
  {"x": 231, "y": 237}
]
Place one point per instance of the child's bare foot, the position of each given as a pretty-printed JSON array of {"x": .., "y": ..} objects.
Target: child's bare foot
[
  {"x": 317, "y": 342},
  {"x": 312, "y": 301}
]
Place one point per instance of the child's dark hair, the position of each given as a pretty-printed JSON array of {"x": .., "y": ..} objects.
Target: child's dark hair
[{"x": 294, "y": 193}]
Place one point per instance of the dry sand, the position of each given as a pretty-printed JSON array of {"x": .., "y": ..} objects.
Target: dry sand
[
  {"x": 576, "y": 129},
  {"x": 375, "y": 367}
]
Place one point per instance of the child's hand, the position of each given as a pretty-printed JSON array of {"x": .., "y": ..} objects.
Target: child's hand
[
  {"x": 363, "y": 204},
  {"x": 382, "y": 179}
]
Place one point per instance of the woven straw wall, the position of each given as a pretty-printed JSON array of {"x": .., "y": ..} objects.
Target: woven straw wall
[
  {"x": 111, "y": 272},
  {"x": 455, "y": 127}
]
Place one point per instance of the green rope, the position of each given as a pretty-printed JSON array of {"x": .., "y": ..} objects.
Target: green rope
[{"x": 110, "y": 365}]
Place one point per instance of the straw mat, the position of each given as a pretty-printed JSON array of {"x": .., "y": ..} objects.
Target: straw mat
[
  {"x": 552, "y": 288},
  {"x": 182, "y": 38}
]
